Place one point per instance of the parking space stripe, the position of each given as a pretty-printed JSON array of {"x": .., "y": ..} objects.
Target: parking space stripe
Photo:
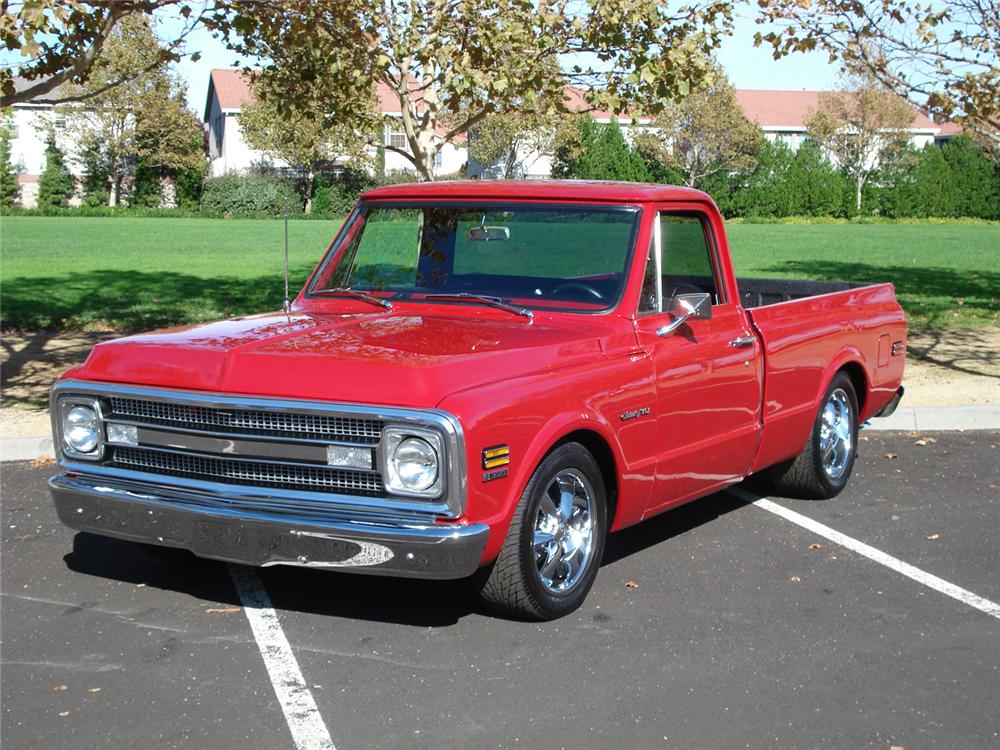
[
  {"x": 308, "y": 730},
  {"x": 918, "y": 575}
]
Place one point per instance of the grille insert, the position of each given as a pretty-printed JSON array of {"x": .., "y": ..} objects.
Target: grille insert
[
  {"x": 248, "y": 421},
  {"x": 258, "y": 473}
]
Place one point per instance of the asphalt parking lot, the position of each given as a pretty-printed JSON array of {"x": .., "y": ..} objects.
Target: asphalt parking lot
[{"x": 717, "y": 625}]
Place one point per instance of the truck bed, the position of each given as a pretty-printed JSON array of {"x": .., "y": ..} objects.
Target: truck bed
[{"x": 762, "y": 292}]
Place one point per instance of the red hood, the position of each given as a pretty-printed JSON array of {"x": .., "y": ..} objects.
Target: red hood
[{"x": 398, "y": 359}]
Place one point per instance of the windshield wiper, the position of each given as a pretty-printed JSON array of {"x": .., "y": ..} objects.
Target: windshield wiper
[
  {"x": 486, "y": 300},
  {"x": 357, "y": 295}
]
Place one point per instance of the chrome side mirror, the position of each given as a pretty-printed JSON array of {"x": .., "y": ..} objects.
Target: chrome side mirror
[{"x": 686, "y": 307}]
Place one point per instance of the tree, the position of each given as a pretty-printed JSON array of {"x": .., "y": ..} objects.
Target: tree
[
  {"x": 508, "y": 144},
  {"x": 56, "y": 183},
  {"x": 597, "y": 152},
  {"x": 703, "y": 133},
  {"x": 302, "y": 141},
  {"x": 976, "y": 179},
  {"x": 9, "y": 186},
  {"x": 941, "y": 56},
  {"x": 49, "y": 43},
  {"x": 451, "y": 63},
  {"x": 142, "y": 120},
  {"x": 863, "y": 126}
]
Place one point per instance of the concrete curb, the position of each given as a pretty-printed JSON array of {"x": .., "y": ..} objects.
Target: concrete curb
[
  {"x": 932, "y": 418},
  {"x": 906, "y": 419},
  {"x": 25, "y": 448}
]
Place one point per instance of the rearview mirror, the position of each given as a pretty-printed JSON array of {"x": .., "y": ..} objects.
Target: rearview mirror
[
  {"x": 487, "y": 234},
  {"x": 685, "y": 307}
]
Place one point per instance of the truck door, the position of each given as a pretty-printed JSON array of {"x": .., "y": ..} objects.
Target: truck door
[{"x": 708, "y": 371}]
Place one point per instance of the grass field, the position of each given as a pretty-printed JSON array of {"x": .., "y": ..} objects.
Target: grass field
[{"x": 131, "y": 274}]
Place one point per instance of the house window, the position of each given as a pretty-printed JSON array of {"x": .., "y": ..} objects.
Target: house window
[
  {"x": 438, "y": 160},
  {"x": 60, "y": 122},
  {"x": 397, "y": 140}
]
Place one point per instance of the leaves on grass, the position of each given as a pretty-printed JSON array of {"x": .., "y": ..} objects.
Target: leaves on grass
[{"x": 631, "y": 585}]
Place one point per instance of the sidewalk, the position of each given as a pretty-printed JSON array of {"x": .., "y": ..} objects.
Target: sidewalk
[{"x": 906, "y": 419}]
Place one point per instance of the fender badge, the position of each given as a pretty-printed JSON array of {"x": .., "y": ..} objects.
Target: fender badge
[
  {"x": 625, "y": 416},
  {"x": 489, "y": 476}
]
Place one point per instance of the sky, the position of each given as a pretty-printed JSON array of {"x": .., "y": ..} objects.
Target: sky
[{"x": 747, "y": 66}]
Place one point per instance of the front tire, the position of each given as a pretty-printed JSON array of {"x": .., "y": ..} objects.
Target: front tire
[
  {"x": 821, "y": 471},
  {"x": 553, "y": 549}
]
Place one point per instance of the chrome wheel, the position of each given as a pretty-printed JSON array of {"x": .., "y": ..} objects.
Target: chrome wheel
[
  {"x": 563, "y": 537},
  {"x": 836, "y": 434}
]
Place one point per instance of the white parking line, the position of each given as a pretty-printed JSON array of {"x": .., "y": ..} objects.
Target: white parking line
[
  {"x": 308, "y": 730},
  {"x": 918, "y": 575}
]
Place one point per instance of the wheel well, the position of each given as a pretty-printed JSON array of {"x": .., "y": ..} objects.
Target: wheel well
[
  {"x": 601, "y": 452},
  {"x": 857, "y": 375}
]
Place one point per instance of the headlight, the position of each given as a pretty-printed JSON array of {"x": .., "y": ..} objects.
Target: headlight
[
  {"x": 81, "y": 429},
  {"x": 413, "y": 462}
]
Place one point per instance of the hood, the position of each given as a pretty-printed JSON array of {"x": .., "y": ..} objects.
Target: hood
[{"x": 395, "y": 359}]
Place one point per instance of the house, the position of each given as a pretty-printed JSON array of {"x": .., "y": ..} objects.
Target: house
[
  {"x": 228, "y": 151},
  {"x": 782, "y": 115},
  {"x": 28, "y": 125}
]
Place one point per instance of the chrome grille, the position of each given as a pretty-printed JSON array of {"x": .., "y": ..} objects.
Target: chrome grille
[
  {"x": 248, "y": 421},
  {"x": 259, "y": 473}
]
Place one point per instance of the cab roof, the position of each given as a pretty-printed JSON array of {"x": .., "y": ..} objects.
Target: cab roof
[{"x": 552, "y": 190}]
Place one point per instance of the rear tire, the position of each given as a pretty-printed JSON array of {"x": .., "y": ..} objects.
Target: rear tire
[
  {"x": 553, "y": 549},
  {"x": 821, "y": 470}
]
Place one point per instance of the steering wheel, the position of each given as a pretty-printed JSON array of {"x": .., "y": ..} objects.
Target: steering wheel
[
  {"x": 586, "y": 288},
  {"x": 678, "y": 289}
]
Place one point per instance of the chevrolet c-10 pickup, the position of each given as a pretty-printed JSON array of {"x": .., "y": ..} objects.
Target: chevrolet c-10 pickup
[{"x": 480, "y": 380}]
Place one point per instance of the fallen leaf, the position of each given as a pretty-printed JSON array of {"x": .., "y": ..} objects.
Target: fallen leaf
[
  {"x": 631, "y": 585},
  {"x": 897, "y": 747},
  {"x": 139, "y": 585},
  {"x": 794, "y": 579},
  {"x": 925, "y": 441},
  {"x": 59, "y": 688},
  {"x": 222, "y": 610},
  {"x": 933, "y": 537},
  {"x": 93, "y": 690},
  {"x": 316, "y": 687},
  {"x": 890, "y": 456},
  {"x": 38, "y": 463},
  {"x": 64, "y": 713},
  {"x": 815, "y": 546}
]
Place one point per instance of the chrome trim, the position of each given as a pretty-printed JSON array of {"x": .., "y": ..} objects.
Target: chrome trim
[
  {"x": 380, "y": 546},
  {"x": 451, "y": 504},
  {"x": 58, "y": 416},
  {"x": 270, "y": 449}
]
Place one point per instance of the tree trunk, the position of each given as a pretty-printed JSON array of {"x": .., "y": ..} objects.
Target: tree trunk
[
  {"x": 425, "y": 165},
  {"x": 310, "y": 180},
  {"x": 116, "y": 188},
  {"x": 858, "y": 184}
]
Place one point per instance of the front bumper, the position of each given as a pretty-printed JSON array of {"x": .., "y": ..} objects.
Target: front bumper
[{"x": 181, "y": 518}]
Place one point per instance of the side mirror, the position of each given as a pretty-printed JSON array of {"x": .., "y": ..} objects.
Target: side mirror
[{"x": 686, "y": 307}]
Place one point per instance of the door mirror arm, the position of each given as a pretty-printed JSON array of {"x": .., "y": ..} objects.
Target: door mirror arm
[{"x": 687, "y": 307}]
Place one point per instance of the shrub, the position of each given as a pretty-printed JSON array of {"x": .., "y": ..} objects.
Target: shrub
[
  {"x": 250, "y": 195},
  {"x": 55, "y": 186},
  {"x": 9, "y": 186}
]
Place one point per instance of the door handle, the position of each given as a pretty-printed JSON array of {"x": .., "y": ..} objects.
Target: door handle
[{"x": 742, "y": 342}]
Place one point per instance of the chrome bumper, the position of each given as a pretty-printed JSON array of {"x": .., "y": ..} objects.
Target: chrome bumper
[{"x": 160, "y": 515}]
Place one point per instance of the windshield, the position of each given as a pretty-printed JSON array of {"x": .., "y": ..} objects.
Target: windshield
[{"x": 553, "y": 257}]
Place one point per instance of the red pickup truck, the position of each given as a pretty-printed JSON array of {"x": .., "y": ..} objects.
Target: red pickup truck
[{"x": 480, "y": 379}]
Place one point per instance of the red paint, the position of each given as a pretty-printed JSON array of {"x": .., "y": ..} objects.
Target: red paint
[{"x": 716, "y": 413}]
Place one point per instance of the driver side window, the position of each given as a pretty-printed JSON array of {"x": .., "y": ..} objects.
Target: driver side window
[{"x": 679, "y": 261}]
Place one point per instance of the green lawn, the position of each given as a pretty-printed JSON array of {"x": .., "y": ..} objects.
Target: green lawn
[{"x": 131, "y": 274}]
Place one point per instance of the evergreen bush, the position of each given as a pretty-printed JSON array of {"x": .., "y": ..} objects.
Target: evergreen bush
[
  {"x": 56, "y": 184},
  {"x": 250, "y": 195}
]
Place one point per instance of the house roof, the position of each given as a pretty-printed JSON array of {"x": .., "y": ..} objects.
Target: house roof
[
  {"x": 20, "y": 84},
  {"x": 791, "y": 109}
]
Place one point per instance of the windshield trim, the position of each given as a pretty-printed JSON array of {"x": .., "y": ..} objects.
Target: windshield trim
[{"x": 360, "y": 213}]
